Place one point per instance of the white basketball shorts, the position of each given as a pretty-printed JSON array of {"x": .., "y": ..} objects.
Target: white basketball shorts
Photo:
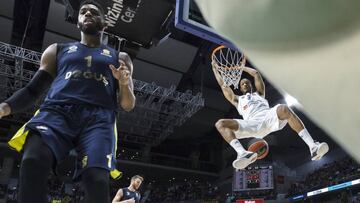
[{"x": 260, "y": 125}]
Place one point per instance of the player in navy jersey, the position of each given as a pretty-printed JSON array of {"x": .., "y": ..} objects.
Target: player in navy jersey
[
  {"x": 129, "y": 194},
  {"x": 87, "y": 83}
]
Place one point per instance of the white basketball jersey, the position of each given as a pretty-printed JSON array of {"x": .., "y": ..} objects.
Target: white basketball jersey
[{"x": 250, "y": 104}]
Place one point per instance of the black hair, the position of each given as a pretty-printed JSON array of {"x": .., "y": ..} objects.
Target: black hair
[{"x": 95, "y": 3}]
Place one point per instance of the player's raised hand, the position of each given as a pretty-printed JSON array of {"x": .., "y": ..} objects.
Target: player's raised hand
[{"x": 122, "y": 73}]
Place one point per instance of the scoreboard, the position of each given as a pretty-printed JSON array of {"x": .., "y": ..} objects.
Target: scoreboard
[{"x": 253, "y": 178}]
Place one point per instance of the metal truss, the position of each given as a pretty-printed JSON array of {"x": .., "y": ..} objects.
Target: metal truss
[
  {"x": 27, "y": 55},
  {"x": 158, "y": 110}
]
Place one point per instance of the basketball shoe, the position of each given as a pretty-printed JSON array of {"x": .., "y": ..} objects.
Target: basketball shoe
[
  {"x": 319, "y": 150},
  {"x": 244, "y": 159}
]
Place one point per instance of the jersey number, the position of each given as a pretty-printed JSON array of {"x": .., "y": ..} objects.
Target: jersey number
[
  {"x": 88, "y": 61},
  {"x": 109, "y": 157}
]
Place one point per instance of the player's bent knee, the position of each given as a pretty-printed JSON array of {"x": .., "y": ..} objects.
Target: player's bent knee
[
  {"x": 283, "y": 111},
  {"x": 219, "y": 124},
  {"x": 223, "y": 124}
]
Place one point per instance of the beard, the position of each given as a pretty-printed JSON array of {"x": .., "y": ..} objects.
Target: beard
[{"x": 92, "y": 29}]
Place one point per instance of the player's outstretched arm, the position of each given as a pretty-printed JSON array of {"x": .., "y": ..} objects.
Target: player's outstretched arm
[
  {"x": 27, "y": 96},
  {"x": 259, "y": 83},
  {"x": 126, "y": 86},
  {"x": 227, "y": 91}
]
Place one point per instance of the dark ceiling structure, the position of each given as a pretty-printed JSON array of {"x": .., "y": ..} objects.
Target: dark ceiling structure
[{"x": 178, "y": 99}]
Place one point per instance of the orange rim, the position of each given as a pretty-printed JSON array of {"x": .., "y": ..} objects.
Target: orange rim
[
  {"x": 217, "y": 49},
  {"x": 226, "y": 67}
]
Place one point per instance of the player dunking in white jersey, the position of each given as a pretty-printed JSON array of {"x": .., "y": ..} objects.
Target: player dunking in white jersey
[{"x": 259, "y": 119}]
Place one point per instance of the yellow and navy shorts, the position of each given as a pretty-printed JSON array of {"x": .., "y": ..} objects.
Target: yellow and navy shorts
[{"x": 90, "y": 130}]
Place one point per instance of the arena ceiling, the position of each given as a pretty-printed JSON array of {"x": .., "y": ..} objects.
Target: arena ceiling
[{"x": 184, "y": 61}]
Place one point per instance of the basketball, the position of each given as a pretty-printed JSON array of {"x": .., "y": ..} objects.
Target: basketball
[{"x": 259, "y": 146}]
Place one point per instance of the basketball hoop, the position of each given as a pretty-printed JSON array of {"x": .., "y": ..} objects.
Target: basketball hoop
[{"x": 229, "y": 64}]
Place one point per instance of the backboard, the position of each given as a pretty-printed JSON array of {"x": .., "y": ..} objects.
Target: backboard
[{"x": 189, "y": 19}]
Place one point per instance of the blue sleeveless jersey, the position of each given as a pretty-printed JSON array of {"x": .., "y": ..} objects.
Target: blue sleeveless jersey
[
  {"x": 84, "y": 77},
  {"x": 127, "y": 194}
]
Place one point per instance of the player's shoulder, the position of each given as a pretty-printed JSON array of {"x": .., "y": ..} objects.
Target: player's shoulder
[
  {"x": 50, "y": 49},
  {"x": 110, "y": 49},
  {"x": 69, "y": 47},
  {"x": 49, "y": 53},
  {"x": 67, "y": 44},
  {"x": 120, "y": 191}
]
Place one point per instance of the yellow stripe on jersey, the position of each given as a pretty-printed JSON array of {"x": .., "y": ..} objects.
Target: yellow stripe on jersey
[
  {"x": 115, "y": 174},
  {"x": 116, "y": 137},
  {"x": 17, "y": 142}
]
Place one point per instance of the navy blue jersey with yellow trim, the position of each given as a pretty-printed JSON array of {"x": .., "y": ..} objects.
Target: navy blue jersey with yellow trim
[
  {"x": 127, "y": 194},
  {"x": 84, "y": 77}
]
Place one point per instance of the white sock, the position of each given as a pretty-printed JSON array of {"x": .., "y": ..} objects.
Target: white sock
[
  {"x": 237, "y": 146},
  {"x": 304, "y": 134}
]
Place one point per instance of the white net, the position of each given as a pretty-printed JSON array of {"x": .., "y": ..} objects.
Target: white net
[{"x": 229, "y": 64}]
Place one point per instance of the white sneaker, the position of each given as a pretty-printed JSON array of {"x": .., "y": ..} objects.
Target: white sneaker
[
  {"x": 319, "y": 150},
  {"x": 244, "y": 159}
]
